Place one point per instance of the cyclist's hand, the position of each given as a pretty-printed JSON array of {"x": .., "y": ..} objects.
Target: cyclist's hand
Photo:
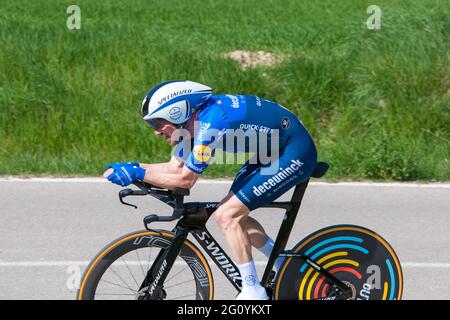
[
  {"x": 110, "y": 167},
  {"x": 126, "y": 175},
  {"x": 116, "y": 165}
]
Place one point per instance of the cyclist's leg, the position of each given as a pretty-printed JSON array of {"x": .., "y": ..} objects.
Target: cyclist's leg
[
  {"x": 229, "y": 216},
  {"x": 256, "y": 233},
  {"x": 255, "y": 230}
]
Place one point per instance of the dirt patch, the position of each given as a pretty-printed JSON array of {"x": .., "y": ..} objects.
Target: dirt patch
[{"x": 251, "y": 59}]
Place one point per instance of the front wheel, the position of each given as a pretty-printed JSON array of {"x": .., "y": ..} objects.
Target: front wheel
[
  {"x": 119, "y": 270},
  {"x": 357, "y": 256}
]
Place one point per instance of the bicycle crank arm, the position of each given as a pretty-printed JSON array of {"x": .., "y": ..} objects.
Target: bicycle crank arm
[{"x": 345, "y": 290}]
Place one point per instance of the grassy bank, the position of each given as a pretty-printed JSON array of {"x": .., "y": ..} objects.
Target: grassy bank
[{"x": 376, "y": 102}]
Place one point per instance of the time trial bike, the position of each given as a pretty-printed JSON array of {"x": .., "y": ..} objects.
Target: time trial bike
[{"x": 339, "y": 262}]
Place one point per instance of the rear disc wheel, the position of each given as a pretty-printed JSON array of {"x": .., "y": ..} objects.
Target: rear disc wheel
[{"x": 357, "y": 256}]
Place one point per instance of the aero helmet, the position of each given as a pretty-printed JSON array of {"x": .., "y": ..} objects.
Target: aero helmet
[{"x": 174, "y": 101}]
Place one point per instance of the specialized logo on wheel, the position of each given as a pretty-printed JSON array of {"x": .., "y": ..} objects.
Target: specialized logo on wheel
[
  {"x": 202, "y": 153},
  {"x": 354, "y": 255}
]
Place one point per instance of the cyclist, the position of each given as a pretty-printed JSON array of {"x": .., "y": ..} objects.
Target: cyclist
[{"x": 174, "y": 105}]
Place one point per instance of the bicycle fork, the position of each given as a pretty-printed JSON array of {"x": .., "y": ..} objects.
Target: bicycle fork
[{"x": 152, "y": 286}]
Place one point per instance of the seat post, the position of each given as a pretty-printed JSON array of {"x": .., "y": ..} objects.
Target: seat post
[
  {"x": 299, "y": 191},
  {"x": 285, "y": 229}
]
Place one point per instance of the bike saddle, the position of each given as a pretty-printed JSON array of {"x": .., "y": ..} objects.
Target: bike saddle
[{"x": 320, "y": 170}]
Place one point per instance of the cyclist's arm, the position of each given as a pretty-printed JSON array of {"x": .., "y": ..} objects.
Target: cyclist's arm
[
  {"x": 173, "y": 166},
  {"x": 183, "y": 178}
]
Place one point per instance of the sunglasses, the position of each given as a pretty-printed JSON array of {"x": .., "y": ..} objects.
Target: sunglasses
[{"x": 155, "y": 123}]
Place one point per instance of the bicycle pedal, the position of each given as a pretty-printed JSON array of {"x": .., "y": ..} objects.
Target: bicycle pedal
[{"x": 141, "y": 293}]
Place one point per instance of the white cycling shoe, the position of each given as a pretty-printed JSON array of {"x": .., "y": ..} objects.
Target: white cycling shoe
[{"x": 248, "y": 296}]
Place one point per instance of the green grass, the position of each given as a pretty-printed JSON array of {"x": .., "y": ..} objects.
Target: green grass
[{"x": 376, "y": 102}]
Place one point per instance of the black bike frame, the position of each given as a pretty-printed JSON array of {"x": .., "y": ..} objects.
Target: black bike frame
[{"x": 193, "y": 217}]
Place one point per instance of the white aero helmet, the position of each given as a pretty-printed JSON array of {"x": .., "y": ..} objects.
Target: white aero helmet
[{"x": 174, "y": 101}]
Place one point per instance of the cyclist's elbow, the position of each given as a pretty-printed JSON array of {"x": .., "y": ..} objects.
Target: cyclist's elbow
[
  {"x": 187, "y": 184},
  {"x": 187, "y": 179}
]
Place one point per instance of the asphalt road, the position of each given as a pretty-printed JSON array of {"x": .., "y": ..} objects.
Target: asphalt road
[{"x": 51, "y": 228}]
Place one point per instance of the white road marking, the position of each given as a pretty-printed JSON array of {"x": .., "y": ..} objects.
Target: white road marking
[{"x": 29, "y": 264}]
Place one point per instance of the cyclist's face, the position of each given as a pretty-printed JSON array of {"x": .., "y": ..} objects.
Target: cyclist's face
[{"x": 166, "y": 129}]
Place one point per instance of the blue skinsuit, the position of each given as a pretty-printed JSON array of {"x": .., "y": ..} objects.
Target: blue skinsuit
[{"x": 285, "y": 154}]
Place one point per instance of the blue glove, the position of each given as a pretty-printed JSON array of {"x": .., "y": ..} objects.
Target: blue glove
[
  {"x": 126, "y": 175},
  {"x": 116, "y": 165}
]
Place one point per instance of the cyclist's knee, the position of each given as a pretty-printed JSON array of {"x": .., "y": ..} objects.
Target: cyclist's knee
[
  {"x": 221, "y": 218},
  {"x": 227, "y": 220},
  {"x": 230, "y": 213}
]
